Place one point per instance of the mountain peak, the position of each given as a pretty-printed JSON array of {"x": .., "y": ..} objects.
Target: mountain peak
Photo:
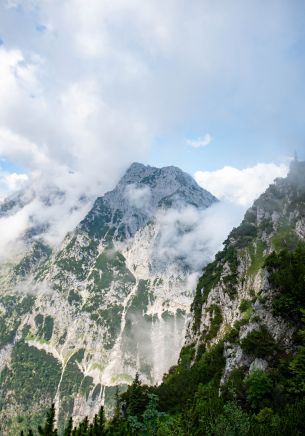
[
  {"x": 166, "y": 179},
  {"x": 141, "y": 192}
]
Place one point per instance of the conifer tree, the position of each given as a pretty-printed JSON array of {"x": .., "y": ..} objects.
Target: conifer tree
[
  {"x": 49, "y": 427},
  {"x": 101, "y": 420},
  {"x": 95, "y": 425},
  {"x": 83, "y": 428},
  {"x": 135, "y": 398},
  {"x": 30, "y": 433},
  {"x": 117, "y": 408},
  {"x": 69, "y": 428}
]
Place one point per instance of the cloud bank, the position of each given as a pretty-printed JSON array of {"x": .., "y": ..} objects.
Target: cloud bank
[{"x": 87, "y": 87}]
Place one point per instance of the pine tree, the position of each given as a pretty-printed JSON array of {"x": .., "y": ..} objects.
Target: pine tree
[
  {"x": 101, "y": 420},
  {"x": 83, "y": 428},
  {"x": 136, "y": 402},
  {"x": 48, "y": 429},
  {"x": 30, "y": 433},
  {"x": 95, "y": 425},
  {"x": 69, "y": 428},
  {"x": 117, "y": 408}
]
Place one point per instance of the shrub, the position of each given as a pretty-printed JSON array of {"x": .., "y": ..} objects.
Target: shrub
[
  {"x": 233, "y": 421},
  {"x": 258, "y": 388},
  {"x": 259, "y": 343},
  {"x": 287, "y": 276}
]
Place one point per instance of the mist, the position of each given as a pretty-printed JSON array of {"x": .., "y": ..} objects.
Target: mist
[{"x": 193, "y": 236}]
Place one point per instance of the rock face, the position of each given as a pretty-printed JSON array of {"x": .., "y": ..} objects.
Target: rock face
[
  {"x": 77, "y": 321},
  {"x": 233, "y": 301}
]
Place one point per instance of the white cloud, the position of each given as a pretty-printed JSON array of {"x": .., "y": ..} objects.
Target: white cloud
[
  {"x": 138, "y": 196},
  {"x": 106, "y": 78},
  {"x": 193, "y": 235},
  {"x": 88, "y": 95},
  {"x": 241, "y": 187},
  {"x": 203, "y": 141},
  {"x": 20, "y": 149},
  {"x": 11, "y": 228},
  {"x": 10, "y": 182}
]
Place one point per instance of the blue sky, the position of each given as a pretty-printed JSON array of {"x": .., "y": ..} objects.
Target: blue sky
[{"x": 88, "y": 87}]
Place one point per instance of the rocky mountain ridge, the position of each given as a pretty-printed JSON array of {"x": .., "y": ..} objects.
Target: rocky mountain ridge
[{"x": 234, "y": 295}]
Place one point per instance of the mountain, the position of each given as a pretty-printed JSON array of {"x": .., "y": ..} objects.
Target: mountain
[
  {"x": 241, "y": 370},
  {"x": 80, "y": 319},
  {"x": 236, "y": 289}
]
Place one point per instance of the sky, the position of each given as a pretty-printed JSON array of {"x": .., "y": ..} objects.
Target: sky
[{"x": 89, "y": 86}]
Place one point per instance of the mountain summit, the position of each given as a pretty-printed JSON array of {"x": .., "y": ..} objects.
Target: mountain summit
[{"x": 139, "y": 194}]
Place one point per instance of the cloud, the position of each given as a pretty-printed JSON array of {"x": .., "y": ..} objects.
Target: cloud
[
  {"x": 74, "y": 153},
  {"x": 10, "y": 182},
  {"x": 138, "y": 196},
  {"x": 193, "y": 236},
  {"x": 101, "y": 79},
  {"x": 200, "y": 142},
  {"x": 92, "y": 92},
  {"x": 21, "y": 149},
  {"x": 12, "y": 228},
  {"x": 241, "y": 187}
]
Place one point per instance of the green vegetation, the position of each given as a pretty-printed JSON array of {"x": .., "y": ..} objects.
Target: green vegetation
[
  {"x": 285, "y": 238},
  {"x": 259, "y": 388},
  {"x": 44, "y": 328},
  {"x": 13, "y": 307},
  {"x": 30, "y": 380},
  {"x": 141, "y": 299},
  {"x": 66, "y": 263},
  {"x": 98, "y": 220},
  {"x": 188, "y": 402},
  {"x": 86, "y": 386},
  {"x": 138, "y": 323},
  {"x": 216, "y": 321},
  {"x": 245, "y": 305},
  {"x": 110, "y": 271},
  {"x": 243, "y": 235},
  {"x": 72, "y": 382},
  {"x": 256, "y": 252},
  {"x": 259, "y": 343},
  {"x": 84, "y": 428},
  {"x": 211, "y": 277},
  {"x": 74, "y": 297},
  {"x": 258, "y": 403},
  {"x": 287, "y": 277},
  {"x": 38, "y": 255}
]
